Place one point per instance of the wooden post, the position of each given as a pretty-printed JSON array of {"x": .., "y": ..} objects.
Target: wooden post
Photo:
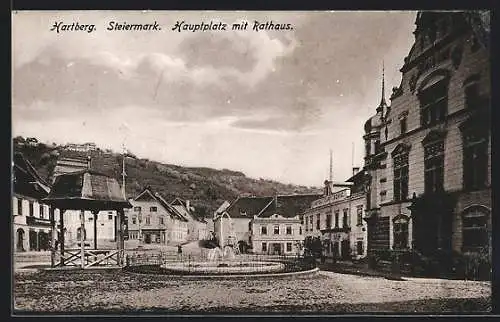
[
  {"x": 61, "y": 242},
  {"x": 53, "y": 231},
  {"x": 95, "y": 228},
  {"x": 82, "y": 237},
  {"x": 119, "y": 229}
]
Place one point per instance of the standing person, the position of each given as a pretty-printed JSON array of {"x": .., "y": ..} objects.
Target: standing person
[{"x": 179, "y": 251}]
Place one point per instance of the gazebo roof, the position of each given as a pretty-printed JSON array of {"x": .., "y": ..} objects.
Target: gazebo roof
[{"x": 86, "y": 190}]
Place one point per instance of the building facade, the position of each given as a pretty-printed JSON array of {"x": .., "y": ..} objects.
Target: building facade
[
  {"x": 153, "y": 221},
  {"x": 267, "y": 225},
  {"x": 277, "y": 234},
  {"x": 428, "y": 154},
  {"x": 197, "y": 227},
  {"x": 31, "y": 218},
  {"x": 337, "y": 219}
]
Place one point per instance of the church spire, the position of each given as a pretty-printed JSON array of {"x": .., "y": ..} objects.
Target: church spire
[{"x": 382, "y": 104}]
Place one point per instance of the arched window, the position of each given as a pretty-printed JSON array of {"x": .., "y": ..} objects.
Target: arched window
[
  {"x": 400, "y": 230},
  {"x": 475, "y": 228},
  {"x": 433, "y": 97},
  {"x": 20, "y": 239}
]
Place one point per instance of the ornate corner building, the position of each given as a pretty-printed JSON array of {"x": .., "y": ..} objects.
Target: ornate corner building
[{"x": 428, "y": 154}]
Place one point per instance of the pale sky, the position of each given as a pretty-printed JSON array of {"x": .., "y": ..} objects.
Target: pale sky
[{"x": 268, "y": 103}]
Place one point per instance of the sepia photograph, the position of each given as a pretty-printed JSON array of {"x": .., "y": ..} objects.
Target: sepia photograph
[{"x": 251, "y": 162}]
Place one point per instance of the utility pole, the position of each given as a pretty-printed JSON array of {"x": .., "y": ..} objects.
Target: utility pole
[
  {"x": 331, "y": 165},
  {"x": 124, "y": 174}
]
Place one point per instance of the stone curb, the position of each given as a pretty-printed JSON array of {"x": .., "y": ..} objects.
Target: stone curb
[{"x": 238, "y": 276}]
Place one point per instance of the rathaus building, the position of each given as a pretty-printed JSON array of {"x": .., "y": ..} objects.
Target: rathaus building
[{"x": 428, "y": 153}]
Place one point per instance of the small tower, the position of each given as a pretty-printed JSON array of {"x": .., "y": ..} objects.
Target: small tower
[{"x": 383, "y": 103}]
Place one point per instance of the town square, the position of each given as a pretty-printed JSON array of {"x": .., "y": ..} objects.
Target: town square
[{"x": 325, "y": 163}]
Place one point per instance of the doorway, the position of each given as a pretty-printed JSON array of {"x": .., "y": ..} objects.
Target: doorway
[
  {"x": 345, "y": 249},
  {"x": 20, "y": 240},
  {"x": 147, "y": 238},
  {"x": 276, "y": 249},
  {"x": 33, "y": 239}
]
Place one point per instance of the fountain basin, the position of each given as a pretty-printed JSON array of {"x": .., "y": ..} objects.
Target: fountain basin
[{"x": 224, "y": 267}]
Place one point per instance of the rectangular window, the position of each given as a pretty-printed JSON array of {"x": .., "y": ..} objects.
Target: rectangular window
[
  {"x": 472, "y": 96},
  {"x": 153, "y": 209},
  {"x": 307, "y": 223},
  {"x": 300, "y": 230},
  {"x": 403, "y": 125},
  {"x": 137, "y": 208},
  {"x": 288, "y": 230},
  {"x": 329, "y": 221},
  {"x": 42, "y": 213},
  {"x": 288, "y": 247},
  {"x": 400, "y": 234},
  {"x": 359, "y": 247},
  {"x": 311, "y": 222},
  {"x": 31, "y": 210},
  {"x": 20, "y": 206},
  {"x": 475, "y": 160},
  {"x": 337, "y": 219},
  {"x": 434, "y": 103},
  {"x": 161, "y": 221},
  {"x": 134, "y": 220},
  {"x": 359, "y": 213},
  {"x": 276, "y": 230},
  {"x": 110, "y": 217},
  {"x": 345, "y": 219},
  {"x": 90, "y": 218},
  {"x": 434, "y": 167},
  {"x": 318, "y": 222},
  {"x": 264, "y": 247},
  {"x": 148, "y": 220},
  {"x": 263, "y": 230},
  {"x": 400, "y": 176}
]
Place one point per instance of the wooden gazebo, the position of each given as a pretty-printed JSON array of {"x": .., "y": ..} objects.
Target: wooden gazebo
[{"x": 93, "y": 191}]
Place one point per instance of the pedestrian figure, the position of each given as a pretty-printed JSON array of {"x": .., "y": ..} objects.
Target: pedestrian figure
[
  {"x": 179, "y": 251},
  {"x": 56, "y": 244}
]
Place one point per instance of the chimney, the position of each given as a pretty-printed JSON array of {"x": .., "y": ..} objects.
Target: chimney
[
  {"x": 355, "y": 170},
  {"x": 88, "y": 162}
]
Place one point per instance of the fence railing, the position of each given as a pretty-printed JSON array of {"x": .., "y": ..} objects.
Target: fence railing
[{"x": 200, "y": 263}]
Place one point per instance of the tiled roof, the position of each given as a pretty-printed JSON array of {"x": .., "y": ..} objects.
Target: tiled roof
[
  {"x": 169, "y": 208},
  {"x": 27, "y": 180},
  {"x": 247, "y": 207},
  {"x": 181, "y": 206},
  {"x": 289, "y": 206},
  {"x": 86, "y": 188}
]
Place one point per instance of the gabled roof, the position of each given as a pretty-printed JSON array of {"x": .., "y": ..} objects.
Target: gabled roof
[
  {"x": 169, "y": 208},
  {"x": 181, "y": 206},
  {"x": 289, "y": 206},
  {"x": 263, "y": 207},
  {"x": 27, "y": 180},
  {"x": 148, "y": 194},
  {"x": 247, "y": 207}
]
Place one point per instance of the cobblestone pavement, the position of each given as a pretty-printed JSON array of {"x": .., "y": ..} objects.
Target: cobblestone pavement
[{"x": 325, "y": 292}]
